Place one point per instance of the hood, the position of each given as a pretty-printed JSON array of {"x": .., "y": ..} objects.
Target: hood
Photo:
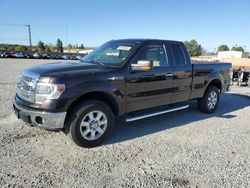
[{"x": 54, "y": 69}]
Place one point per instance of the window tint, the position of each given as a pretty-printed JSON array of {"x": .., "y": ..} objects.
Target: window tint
[
  {"x": 178, "y": 54},
  {"x": 153, "y": 53}
]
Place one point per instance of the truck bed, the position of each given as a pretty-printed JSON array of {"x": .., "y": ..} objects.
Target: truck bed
[{"x": 204, "y": 72}]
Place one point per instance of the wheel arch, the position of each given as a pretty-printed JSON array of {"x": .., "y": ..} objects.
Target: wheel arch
[
  {"x": 102, "y": 96},
  {"x": 216, "y": 82}
]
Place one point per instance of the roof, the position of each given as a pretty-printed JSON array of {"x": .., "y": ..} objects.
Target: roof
[{"x": 145, "y": 40}]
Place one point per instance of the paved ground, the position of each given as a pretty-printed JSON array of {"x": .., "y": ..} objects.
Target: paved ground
[{"x": 181, "y": 149}]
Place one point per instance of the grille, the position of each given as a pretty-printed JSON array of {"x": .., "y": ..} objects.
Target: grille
[
  {"x": 27, "y": 79},
  {"x": 26, "y": 88}
]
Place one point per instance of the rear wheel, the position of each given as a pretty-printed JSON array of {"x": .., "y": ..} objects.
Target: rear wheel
[
  {"x": 209, "y": 102},
  {"x": 91, "y": 122}
]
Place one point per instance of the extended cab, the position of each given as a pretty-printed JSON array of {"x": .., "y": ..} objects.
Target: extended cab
[{"x": 133, "y": 78}]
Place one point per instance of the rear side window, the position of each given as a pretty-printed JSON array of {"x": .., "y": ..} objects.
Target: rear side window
[{"x": 179, "y": 54}]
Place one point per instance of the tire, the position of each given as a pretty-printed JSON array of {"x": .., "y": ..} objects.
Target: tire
[
  {"x": 208, "y": 104},
  {"x": 90, "y": 123}
]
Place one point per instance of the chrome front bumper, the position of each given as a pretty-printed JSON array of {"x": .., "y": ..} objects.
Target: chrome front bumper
[{"x": 41, "y": 119}]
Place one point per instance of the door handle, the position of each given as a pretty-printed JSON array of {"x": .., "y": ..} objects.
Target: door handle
[{"x": 169, "y": 75}]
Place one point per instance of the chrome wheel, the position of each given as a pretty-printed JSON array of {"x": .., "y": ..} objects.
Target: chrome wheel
[
  {"x": 93, "y": 125},
  {"x": 212, "y": 100}
]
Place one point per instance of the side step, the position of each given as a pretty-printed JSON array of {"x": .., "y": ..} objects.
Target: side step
[{"x": 154, "y": 113}]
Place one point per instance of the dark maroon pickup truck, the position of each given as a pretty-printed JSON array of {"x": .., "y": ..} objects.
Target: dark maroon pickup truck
[{"x": 133, "y": 78}]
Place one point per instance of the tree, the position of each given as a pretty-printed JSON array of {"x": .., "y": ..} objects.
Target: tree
[
  {"x": 70, "y": 46},
  {"x": 59, "y": 46},
  {"x": 51, "y": 47},
  {"x": 81, "y": 46},
  {"x": 193, "y": 47},
  {"x": 47, "y": 48},
  {"x": 206, "y": 52},
  {"x": 40, "y": 46},
  {"x": 223, "y": 47},
  {"x": 237, "y": 48},
  {"x": 10, "y": 48},
  {"x": 20, "y": 48}
]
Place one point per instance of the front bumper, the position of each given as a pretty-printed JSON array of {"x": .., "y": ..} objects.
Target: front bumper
[{"x": 41, "y": 119}]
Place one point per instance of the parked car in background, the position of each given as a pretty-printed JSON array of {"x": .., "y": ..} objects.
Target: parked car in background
[
  {"x": 57, "y": 56},
  {"x": 47, "y": 56},
  {"x": 28, "y": 55},
  {"x": 69, "y": 56},
  {"x": 37, "y": 55},
  {"x": 73, "y": 57},
  {"x": 78, "y": 57},
  {"x": 6, "y": 55},
  {"x": 65, "y": 56},
  {"x": 41, "y": 55},
  {"x": 19, "y": 55}
]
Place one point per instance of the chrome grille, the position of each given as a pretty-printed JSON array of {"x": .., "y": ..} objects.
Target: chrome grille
[
  {"x": 26, "y": 86},
  {"x": 27, "y": 79}
]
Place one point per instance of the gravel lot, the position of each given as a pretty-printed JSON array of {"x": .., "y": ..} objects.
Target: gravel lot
[{"x": 181, "y": 149}]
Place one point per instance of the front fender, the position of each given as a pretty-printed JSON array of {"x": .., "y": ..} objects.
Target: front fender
[
  {"x": 77, "y": 91},
  {"x": 99, "y": 86}
]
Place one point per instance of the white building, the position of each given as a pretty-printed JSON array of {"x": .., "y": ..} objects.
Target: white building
[
  {"x": 85, "y": 51},
  {"x": 233, "y": 54},
  {"x": 80, "y": 51}
]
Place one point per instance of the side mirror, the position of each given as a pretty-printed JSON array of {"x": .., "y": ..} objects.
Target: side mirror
[{"x": 142, "y": 65}]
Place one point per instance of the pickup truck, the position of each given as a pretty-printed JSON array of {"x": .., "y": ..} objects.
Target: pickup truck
[{"x": 131, "y": 78}]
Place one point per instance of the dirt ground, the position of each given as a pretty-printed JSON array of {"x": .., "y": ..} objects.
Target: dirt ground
[{"x": 181, "y": 149}]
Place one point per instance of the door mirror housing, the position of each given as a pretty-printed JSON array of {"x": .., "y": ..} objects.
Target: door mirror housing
[{"x": 142, "y": 65}]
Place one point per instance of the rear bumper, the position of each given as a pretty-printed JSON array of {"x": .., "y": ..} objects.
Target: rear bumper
[{"x": 41, "y": 119}]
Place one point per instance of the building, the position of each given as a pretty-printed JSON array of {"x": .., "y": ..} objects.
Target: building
[
  {"x": 85, "y": 51},
  {"x": 80, "y": 51},
  {"x": 233, "y": 54}
]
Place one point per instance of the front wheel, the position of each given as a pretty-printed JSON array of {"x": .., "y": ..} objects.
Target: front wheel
[
  {"x": 209, "y": 102},
  {"x": 91, "y": 122}
]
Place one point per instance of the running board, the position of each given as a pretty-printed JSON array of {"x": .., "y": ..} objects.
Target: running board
[{"x": 135, "y": 118}]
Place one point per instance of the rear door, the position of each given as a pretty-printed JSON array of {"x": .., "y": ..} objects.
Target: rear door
[
  {"x": 181, "y": 70},
  {"x": 150, "y": 88}
]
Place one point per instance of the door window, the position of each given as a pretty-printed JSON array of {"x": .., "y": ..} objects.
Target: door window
[
  {"x": 179, "y": 55},
  {"x": 155, "y": 53}
]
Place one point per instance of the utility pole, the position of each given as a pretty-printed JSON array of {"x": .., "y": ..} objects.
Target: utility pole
[
  {"x": 27, "y": 25},
  {"x": 29, "y": 36},
  {"x": 66, "y": 36}
]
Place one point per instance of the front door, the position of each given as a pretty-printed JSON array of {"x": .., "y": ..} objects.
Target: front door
[{"x": 149, "y": 88}]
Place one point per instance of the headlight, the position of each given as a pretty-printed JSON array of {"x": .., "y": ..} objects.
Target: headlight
[{"x": 45, "y": 91}]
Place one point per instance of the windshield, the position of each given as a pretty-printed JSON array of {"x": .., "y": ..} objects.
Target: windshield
[{"x": 112, "y": 53}]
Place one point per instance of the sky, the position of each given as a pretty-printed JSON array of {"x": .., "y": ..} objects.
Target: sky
[{"x": 93, "y": 22}]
